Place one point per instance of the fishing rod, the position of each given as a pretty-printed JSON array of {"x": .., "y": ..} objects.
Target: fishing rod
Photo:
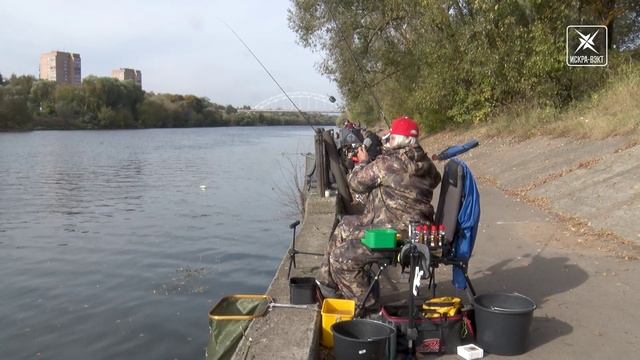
[
  {"x": 359, "y": 67},
  {"x": 302, "y": 113}
]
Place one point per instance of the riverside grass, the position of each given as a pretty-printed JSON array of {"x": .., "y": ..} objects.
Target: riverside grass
[{"x": 613, "y": 110}]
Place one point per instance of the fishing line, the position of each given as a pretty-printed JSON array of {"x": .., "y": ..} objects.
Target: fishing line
[
  {"x": 359, "y": 67},
  {"x": 302, "y": 113}
]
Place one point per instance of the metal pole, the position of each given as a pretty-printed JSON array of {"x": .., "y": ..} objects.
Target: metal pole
[
  {"x": 412, "y": 332},
  {"x": 320, "y": 162},
  {"x": 325, "y": 162}
]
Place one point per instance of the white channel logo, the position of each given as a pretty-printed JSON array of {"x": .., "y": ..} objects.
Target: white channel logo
[{"x": 587, "y": 45}]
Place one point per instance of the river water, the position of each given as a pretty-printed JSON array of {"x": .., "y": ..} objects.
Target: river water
[{"x": 111, "y": 249}]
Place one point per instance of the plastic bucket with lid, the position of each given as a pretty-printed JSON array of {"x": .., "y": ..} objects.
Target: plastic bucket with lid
[
  {"x": 503, "y": 322},
  {"x": 361, "y": 339}
]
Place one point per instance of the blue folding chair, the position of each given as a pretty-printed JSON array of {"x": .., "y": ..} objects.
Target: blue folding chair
[{"x": 459, "y": 211}]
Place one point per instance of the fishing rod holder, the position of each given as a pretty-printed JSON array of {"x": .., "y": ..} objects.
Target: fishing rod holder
[
  {"x": 293, "y": 251},
  {"x": 321, "y": 166},
  {"x": 390, "y": 257}
]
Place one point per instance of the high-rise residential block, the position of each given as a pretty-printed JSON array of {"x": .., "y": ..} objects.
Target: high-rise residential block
[
  {"x": 61, "y": 67},
  {"x": 128, "y": 74}
]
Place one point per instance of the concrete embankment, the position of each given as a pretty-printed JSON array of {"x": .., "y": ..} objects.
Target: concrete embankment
[
  {"x": 558, "y": 224},
  {"x": 590, "y": 185},
  {"x": 285, "y": 333}
]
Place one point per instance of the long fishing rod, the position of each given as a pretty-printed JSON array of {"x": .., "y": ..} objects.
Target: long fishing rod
[
  {"x": 302, "y": 113},
  {"x": 359, "y": 67}
]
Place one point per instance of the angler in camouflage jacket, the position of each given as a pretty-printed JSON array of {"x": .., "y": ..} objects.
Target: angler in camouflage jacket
[{"x": 399, "y": 184}]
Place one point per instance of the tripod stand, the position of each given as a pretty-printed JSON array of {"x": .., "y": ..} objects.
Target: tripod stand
[{"x": 292, "y": 250}]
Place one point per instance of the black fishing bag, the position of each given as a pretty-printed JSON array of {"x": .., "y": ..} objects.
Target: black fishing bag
[{"x": 435, "y": 335}]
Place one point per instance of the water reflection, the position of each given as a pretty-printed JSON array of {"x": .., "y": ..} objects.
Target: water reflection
[{"x": 109, "y": 249}]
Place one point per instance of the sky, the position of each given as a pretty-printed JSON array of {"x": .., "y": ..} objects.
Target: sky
[{"x": 181, "y": 47}]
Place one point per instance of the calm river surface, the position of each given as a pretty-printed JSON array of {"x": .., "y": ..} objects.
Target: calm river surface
[{"x": 110, "y": 249}]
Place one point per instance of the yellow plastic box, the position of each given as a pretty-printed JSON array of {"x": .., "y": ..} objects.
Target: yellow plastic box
[{"x": 333, "y": 311}]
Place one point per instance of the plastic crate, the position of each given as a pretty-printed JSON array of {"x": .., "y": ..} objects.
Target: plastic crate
[
  {"x": 379, "y": 238},
  {"x": 333, "y": 311}
]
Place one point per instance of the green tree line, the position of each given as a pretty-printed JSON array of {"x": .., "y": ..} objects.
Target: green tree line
[
  {"x": 107, "y": 103},
  {"x": 449, "y": 62}
]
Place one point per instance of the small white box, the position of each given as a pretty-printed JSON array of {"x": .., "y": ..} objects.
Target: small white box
[{"x": 470, "y": 352}]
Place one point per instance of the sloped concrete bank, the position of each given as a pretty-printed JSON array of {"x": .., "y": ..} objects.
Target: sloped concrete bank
[
  {"x": 592, "y": 186},
  {"x": 558, "y": 224}
]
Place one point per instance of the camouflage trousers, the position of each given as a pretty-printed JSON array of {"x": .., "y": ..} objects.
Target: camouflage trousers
[{"x": 344, "y": 259}]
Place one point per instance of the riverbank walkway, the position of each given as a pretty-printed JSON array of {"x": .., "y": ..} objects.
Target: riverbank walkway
[{"x": 587, "y": 295}]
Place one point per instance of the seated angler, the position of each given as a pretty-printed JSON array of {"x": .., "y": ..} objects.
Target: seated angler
[{"x": 399, "y": 186}]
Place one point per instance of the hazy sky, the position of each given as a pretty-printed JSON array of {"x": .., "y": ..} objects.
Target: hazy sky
[{"x": 180, "y": 46}]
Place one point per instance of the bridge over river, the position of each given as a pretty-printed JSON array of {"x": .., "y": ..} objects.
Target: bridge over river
[{"x": 308, "y": 102}]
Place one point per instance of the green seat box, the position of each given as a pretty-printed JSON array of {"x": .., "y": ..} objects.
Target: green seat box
[{"x": 376, "y": 239}]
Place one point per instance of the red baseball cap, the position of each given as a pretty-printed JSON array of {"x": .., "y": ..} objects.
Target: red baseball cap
[{"x": 404, "y": 126}]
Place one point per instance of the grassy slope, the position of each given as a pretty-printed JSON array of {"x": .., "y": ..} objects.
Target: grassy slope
[
  {"x": 612, "y": 111},
  {"x": 615, "y": 110}
]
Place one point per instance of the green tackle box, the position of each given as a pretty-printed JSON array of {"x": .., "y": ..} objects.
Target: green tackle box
[{"x": 376, "y": 239}]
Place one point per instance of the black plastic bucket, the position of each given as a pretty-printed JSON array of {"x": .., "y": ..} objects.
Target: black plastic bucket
[
  {"x": 361, "y": 339},
  {"x": 302, "y": 290},
  {"x": 503, "y": 322}
]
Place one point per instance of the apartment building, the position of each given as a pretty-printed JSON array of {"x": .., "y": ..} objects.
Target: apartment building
[
  {"x": 61, "y": 67},
  {"x": 128, "y": 74}
]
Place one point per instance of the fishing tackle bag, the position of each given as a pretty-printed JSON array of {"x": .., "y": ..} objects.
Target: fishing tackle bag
[{"x": 441, "y": 334}]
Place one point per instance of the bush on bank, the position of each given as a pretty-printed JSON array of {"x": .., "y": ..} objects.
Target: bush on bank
[{"x": 455, "y": 63}]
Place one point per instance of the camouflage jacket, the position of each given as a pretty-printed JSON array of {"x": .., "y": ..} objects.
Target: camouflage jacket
[{"x": 399, "y": 184}]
